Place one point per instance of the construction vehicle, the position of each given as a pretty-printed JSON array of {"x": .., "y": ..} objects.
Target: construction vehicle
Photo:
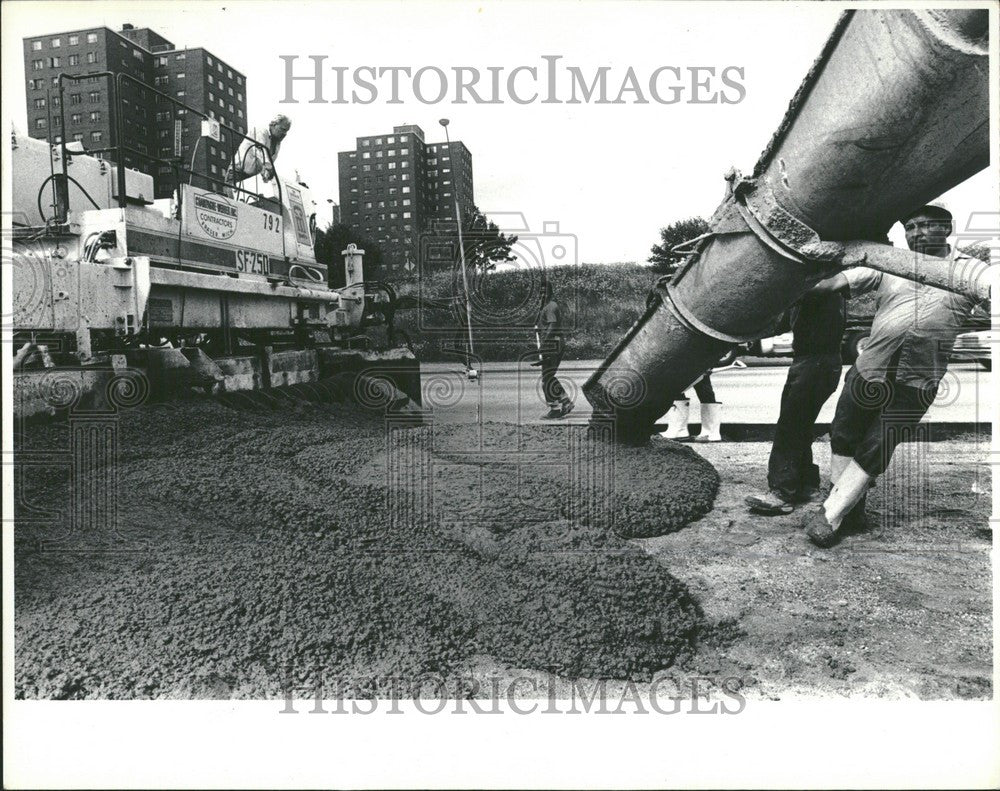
[
  {"x": 869, "y": 137},
  {"x": 216, "y": 286}
]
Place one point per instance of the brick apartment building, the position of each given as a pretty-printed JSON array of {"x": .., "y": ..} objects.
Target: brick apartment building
[
  {"x": 394, "y": 186},
  {"x": 152, "y": 126}
]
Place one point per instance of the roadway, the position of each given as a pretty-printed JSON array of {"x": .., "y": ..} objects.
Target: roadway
[{"x": 511, "y": 393}]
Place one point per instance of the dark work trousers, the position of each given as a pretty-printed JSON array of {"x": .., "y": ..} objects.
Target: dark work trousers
[
  {"x": 551, "y": 386},
  {"x": 812, "y": 379},
  {"x": 705, "y": 391}
]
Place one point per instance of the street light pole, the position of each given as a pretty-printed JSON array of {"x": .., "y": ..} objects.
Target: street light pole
[{"x": 472, "y": 373}]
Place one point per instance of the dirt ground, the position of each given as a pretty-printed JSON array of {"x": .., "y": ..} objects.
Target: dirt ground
[
  {"x": 903, "y": 610},
  {"x": 268, "y": 550}
]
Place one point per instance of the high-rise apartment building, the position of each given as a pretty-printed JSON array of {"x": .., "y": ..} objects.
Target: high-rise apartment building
[
  {"x": 393, "y": 186},
  {"x": 152, "y": 127}
]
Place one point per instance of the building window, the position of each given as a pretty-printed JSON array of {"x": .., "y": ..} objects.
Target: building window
[
  {"x": 230, "y": 89},
  {"x": 390, "y": 140},
  {"x": 218, "y": 67},
  {"x": 96, "y": 136},
  {"x": 404, "y": 152},
  {"x": 239, "y": 96},
  {"x": 406, "y": 177},
  {"x": 161, "y": 61},
  {"x": 94, "y": 97},
  {"x": 406, "y": 190},
  {"x": 78, "y": 137},
  {"x": 95, "y": 116},
  {"x": 391, "y": 152},
  {"x": 181, "y": 75},
  {"x": 406, "y": 215},
  {"x": 366, "y": 154},
  {"x": 406, "y": 201},
  {"x": 366, "y": 168},
  {"x": 181, "y": 94},
  {"x": 392, "y": 166},
  {"x": 74, "y": 40},
  {"x": 91, "y": 57},
  {"x": 164, "y": 134},
  {"x": 36, "y": 45},
  {"x": 222, "y": 104},
  {"x": 57, "y": 139},
  {"x": 91, "y": 38},
  {"x": 214, "y": 168},
  {"x": 211, "y": 80},
  {"x": 239, "y": 113},
  {"x": 39, "y": 104},
  {"x": 136, "y": 54},
  {"x": 73, "y": 60},
  {"x": 34, "y": 84},
  {"x": 40, "y": 123},
  {"x": 210, "y": 61},
  {"x": 229, "y": 73},
  {"x": 37, "y": 65},
  {"x": 75, "y": 98},
  {"x": 378, "y": 155},
  {"x": 56, "y": 42},
  {"x": 161, "y": 80},
  {"x": 180, "y": 56}
]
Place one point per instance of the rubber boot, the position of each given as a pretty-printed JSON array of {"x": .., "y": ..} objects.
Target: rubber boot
[
  {"x": 709, "y": 424},
  {"x": 850, "y": 488},
  {"x": 837, "y": 466},
  {"x": 677, "y": 421}
]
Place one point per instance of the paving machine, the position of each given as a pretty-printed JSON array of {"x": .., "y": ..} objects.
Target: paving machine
[
  {"x": 894, "y": 112},
  {"x": 217, "y": 285}
]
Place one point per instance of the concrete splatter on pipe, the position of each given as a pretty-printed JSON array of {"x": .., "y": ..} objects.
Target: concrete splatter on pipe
[{"x": 894, "y": 112}]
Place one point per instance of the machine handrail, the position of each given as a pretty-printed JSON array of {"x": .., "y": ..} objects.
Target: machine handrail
[{"x": 119, "y": 148}]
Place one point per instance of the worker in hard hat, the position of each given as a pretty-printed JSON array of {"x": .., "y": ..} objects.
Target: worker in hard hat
[
  {"x": 895, "y": 378},
  {"x": 256, "y": 158}
]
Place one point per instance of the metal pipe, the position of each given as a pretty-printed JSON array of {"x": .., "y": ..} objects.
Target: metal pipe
[{"x": 893, "y": 113}]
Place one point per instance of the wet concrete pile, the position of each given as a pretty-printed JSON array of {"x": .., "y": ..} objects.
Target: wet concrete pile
[{"x": 258, "y": 551}]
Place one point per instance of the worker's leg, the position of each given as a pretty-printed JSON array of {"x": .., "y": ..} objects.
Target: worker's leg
[
  {"x": 551, "y": 389},
  {"x": 555, "y": 393},
  {"x": 710, "y": 417},
  {"x": 704, "y": 390},
  {"x": 858, "y": 413},
  {"x": 792, "y": 476},
  {"x": 792, "y": 433}
]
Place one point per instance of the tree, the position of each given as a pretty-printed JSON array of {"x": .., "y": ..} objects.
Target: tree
[
  {"x": 329, "y": 245},
  {"x": 663, "y": 258},
  {"x": 485, "y": 245}
]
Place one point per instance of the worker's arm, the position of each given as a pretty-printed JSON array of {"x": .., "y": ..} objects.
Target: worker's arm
[
  {"x": 830, "y": 285},
  {"x": 855, "y": 281}
]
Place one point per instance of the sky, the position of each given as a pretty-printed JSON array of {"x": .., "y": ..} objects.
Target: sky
[{"x": 609, "y": 175}]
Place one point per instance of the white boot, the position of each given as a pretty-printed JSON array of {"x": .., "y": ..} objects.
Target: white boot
[
  {"x": 709, "y": 424},
  {"x": 677, "y": 421},
  {"x": 851, "y": 486},
  {"x": 837, "y": 466}
]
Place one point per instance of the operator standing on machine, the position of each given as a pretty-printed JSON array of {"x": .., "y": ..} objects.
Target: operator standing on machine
[{"x": 251, "y": 159}]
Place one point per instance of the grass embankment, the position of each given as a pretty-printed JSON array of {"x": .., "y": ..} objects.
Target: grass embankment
[{"x": 600, "y": 302}]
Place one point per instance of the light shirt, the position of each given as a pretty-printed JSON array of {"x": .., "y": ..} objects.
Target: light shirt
[{"x": 918, "y": 322}]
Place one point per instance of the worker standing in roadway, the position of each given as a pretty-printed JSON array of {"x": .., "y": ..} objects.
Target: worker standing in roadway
[{"x": 550, "y": 349}]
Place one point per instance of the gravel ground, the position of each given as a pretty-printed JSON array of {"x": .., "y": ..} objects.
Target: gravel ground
[{"x": 260, "y": 550}]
